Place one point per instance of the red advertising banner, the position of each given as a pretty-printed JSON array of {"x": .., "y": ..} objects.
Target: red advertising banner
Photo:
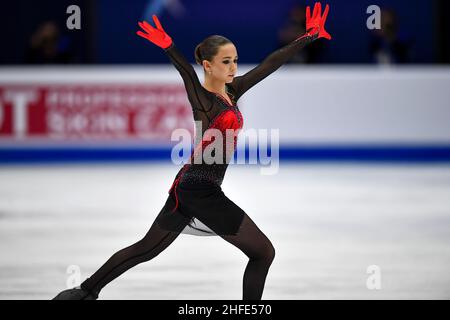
[{"x": 89, "y": 112}]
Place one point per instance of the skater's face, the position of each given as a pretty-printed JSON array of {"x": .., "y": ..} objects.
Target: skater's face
[{"x": 223, "y": 66}]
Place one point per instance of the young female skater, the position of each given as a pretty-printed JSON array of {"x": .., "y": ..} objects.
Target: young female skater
[{"x": 196, "y": 203}]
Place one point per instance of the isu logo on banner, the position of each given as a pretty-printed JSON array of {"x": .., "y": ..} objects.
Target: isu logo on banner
[{"x": 82, "y": 112}]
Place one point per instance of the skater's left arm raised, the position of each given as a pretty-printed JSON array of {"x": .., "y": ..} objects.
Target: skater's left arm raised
[{"x": 315, "y": 26}]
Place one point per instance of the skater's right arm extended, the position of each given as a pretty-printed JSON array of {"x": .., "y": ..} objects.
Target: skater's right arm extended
[{"x": 195, "y": 92}]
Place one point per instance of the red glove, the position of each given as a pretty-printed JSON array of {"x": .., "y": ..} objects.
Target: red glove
[
  {"x": 316, "y": 23},
  {"x": 157, "y": 36}
]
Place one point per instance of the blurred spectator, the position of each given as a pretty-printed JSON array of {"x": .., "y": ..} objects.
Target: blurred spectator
[
  {"x": 294, "y": 27},
  {"x": 386, "y": 45},
  {"x": 47, "y": 46}
]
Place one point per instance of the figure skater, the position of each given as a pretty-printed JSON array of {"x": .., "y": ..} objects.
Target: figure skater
[{"x": 196, "y": 203}]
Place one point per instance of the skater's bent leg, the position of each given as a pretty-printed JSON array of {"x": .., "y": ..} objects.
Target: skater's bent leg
[
  {"x": 260, "y": 251},
  {"x": 153, "y": 243}
]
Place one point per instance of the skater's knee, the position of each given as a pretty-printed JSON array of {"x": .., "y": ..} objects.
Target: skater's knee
[
  {"x": 270, "y": 253},
  {"x": 266, "y": 253}
]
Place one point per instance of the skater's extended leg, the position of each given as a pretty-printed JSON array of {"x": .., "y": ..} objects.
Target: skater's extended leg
[
  {"x": 153, "y": 243},
  {"x": 260, "y": 251}
]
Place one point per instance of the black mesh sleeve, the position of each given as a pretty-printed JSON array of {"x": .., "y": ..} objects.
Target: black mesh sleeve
[
  {"x": 270, "y": 64},
  {"x": 196, "y": 93}
]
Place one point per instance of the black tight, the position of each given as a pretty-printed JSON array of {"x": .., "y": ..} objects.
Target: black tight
[
  {"x": 249, "y": 240},
  {"x": 152, "y": 244}
]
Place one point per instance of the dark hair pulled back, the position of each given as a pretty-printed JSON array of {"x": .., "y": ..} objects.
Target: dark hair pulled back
[{"x": 209, "y": 47}]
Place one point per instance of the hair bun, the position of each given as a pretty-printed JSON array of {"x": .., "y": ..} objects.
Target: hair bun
[{"x": 198, "y": 54}]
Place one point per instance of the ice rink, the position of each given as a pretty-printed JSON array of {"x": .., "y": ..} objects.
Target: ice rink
[{"x": 329, "y": 222}]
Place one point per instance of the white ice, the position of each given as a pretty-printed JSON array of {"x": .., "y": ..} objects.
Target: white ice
[{"x": 327, "y": 222}]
